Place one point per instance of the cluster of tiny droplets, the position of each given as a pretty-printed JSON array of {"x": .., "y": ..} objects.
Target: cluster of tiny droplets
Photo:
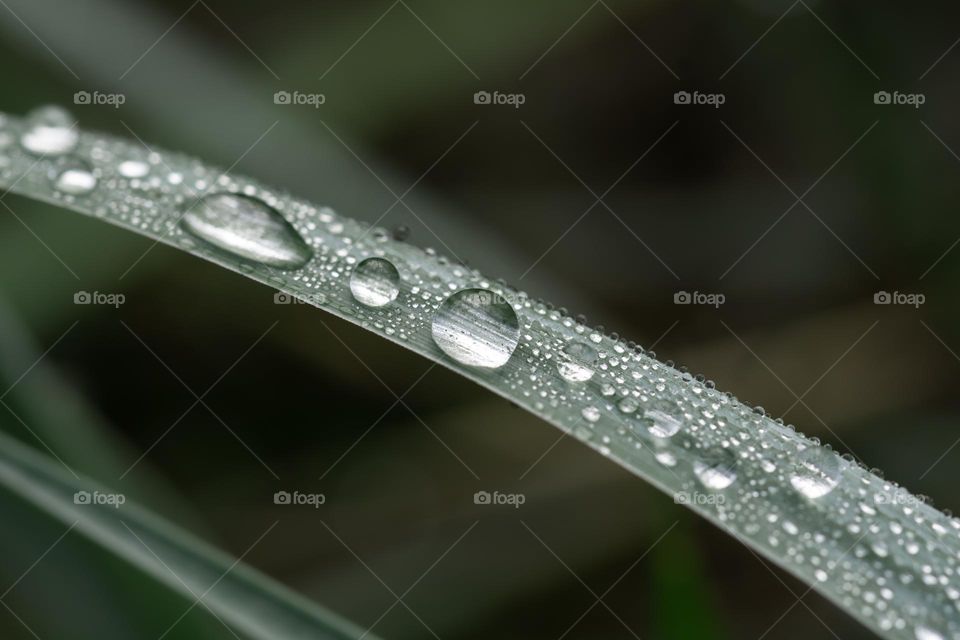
[{"x": 886, "y": 556}]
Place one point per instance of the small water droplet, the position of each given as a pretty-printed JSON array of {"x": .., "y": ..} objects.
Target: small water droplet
[
  {"x": 375, "y": 282},
  {"x": 590, "y": 414},
  {"x": 716, "y": 468},
  {"x": 476, "y": 327},
  {"x": 577, "y": 362},
  {"x": 133, "y": 169},
  {"x": 50, "y": 132},
  {"x": 817, "y": 473},
  {"x": 75, "y": 179},
  {"x": 248, "y": 228}
]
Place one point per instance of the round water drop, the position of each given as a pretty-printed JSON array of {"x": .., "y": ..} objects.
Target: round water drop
[
  {"x": 133, "y": 168},
  {"x": 75, "y": 179},
  {"x": 476, "y": 327},
  {"x": 375, "y": 282},
  {"x": 817, "y": 473},
  {"x": 661, "y": 423},
  {"x": 577, "y": 362},
  {"x": 246, "y": 227},
  {"x": 716, "y": 468},
  {"x": 590, "y": 414},
  {"x": 50, "y": 132}
]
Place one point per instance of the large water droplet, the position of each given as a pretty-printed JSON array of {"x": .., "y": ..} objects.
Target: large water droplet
[
  {"x": 817, "y": 473},
  {"x": 476, "y": 327},
  {"x": 248, "y": 228},
  {"x": 716, "y": 468},
  {"x": 75, "y": 179},
  {"x": 375, "y": 282},
  {"x": 661, "y": 423},
  {"x": 50, "y": 132},
  {"x": 576, "y": 362}
]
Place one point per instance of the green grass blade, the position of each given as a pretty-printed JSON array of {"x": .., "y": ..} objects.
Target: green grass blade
[
  {"x": 881, "y": 554},
  {"x": 232, "y": 591}
]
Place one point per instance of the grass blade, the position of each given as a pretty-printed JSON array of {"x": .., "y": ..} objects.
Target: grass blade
[
  {"x": 883, "y": 555},
  {"x": 236, "y": 594}
]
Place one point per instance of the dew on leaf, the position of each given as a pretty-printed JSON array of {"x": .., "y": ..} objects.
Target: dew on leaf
[
  {"x": 375, "y": 282},
  {"x": 476, "y": 327}
]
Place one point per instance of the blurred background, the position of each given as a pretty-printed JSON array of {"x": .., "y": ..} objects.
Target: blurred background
[{"x": 779, "y": 166}]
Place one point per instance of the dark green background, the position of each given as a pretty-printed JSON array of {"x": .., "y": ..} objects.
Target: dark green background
[{"x": 799, "y": 319}]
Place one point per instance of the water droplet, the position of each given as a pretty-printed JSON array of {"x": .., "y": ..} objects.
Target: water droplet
[
  {"x": 926, "y": 633},
  {"x": 716, "y": 468},
  {"x": 661, "y": 424},
  {"x": 576, "y": 362},
  {"x": 375, "y": 282},
  {"x": 50, "y": 132},
  {"x": 75, "y": 179},
  {"x": 476, "y": 327},
  {"x": 133, "y": 169},
  {"x": 248, "y": 228},
  {"x": 627, "y": 405},
  {"x": 590, "y": 414},
  {"x": 817, "y": 473}
]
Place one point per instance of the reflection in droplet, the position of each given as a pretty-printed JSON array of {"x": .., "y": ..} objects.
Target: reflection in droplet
[
  {"x": 476, "y": 327},
  {"x": 817, "y": 472},
  {"x": 716, "y": 468},
  {"x": 50, "y": 132},
  {"x": 248, "y": 228},
  {"x": 75, "y": 179},
  {"x": 375, "y": 282},
  {"x": 133, "y": 168},
  {"x": 576, "y": 362}
]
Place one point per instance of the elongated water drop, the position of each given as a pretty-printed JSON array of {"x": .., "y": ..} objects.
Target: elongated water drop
[
  {"x": 817, "y": 473},
  {"x": 50, "y": 132},
  {"x": 576, "y": 362},
  {"x": 476, "y": 327},
  {"x": 76, "y": 178},
  {"x": 716, "y": 468},
  {"x": 247, "y": 227},
  {"x": 375, "y": 282}
]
